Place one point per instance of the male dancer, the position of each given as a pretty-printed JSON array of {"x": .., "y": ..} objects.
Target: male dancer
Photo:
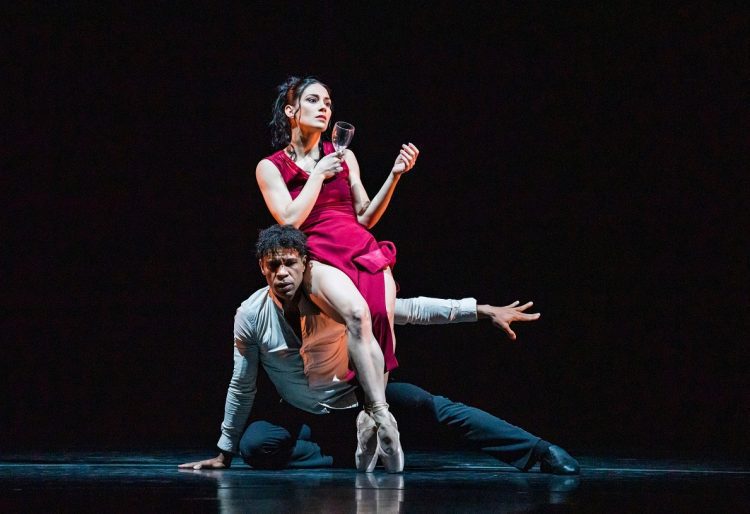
[{"x": 309, "y": 426}]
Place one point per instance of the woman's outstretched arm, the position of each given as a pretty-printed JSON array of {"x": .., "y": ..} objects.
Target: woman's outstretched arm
[
  {"x": 285, "y": 210},
  {"x": 405, "y": 161}
]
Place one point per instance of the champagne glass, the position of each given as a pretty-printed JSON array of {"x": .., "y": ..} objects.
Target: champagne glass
[{"x": 342, "y": 135}]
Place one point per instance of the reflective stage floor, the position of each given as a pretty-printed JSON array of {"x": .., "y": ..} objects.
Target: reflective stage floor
[{"x": 432, "y": 482}]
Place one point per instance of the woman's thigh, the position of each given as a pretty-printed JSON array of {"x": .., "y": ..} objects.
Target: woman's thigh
[{"x": 334, "y": 292}]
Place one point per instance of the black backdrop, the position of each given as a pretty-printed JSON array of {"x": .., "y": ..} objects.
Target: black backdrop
[{"x": 590, "y": 159}]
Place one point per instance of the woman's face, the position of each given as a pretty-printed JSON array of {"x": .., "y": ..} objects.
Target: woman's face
[{"x": 313, "y": 110}]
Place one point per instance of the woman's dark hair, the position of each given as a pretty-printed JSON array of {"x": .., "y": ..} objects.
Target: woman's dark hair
[
  {"x": 280, "y": 237},
  {"x": 289, "y": 93}
]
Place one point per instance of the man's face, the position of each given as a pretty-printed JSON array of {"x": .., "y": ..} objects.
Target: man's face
[{"x": 283, "y": 270}]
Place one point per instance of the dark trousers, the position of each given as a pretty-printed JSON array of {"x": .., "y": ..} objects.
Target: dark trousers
[{"x": 290, "y": 438}]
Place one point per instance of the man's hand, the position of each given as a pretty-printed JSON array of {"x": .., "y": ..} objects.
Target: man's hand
[
  {"x": 502, "y": 317},
  {"x": 223, "y": 461}
]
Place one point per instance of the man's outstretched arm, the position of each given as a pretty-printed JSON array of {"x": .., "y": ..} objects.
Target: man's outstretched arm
[{"x": 435, "y": 311}]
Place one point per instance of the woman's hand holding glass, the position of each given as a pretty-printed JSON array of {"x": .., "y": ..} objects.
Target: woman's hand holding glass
[
  {"x": 407, "y": 158},
  {"x": 329, "y": 165}
]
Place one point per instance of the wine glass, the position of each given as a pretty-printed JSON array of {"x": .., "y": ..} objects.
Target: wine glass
[{"x": 342, "y": 135}]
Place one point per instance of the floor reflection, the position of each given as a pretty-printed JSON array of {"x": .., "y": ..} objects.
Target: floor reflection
[
  {"x": 348, "y": 491},
  {"x": 434, "y": 483},
  {"x": 379, "y": 492}
]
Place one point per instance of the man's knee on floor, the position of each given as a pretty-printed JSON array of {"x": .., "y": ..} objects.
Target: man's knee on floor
[{"x": 266, "y": 446}]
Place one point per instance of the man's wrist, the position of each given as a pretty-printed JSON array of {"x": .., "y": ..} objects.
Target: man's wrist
[{"x": 225, "y": 455}]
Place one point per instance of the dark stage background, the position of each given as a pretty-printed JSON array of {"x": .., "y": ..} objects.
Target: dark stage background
[{"x": 590, "y": 159}]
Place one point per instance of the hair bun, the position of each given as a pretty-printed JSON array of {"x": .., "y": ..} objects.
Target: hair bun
[{"x": 289, "y": 83}]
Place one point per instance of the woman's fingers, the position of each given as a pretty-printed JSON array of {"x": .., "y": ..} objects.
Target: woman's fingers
[
  {"x": 411, "y": 150},
  {"x": 408, "y": 158}
]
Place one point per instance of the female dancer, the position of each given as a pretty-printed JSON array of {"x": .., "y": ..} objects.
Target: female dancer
[{"x": 308, "y": 185}]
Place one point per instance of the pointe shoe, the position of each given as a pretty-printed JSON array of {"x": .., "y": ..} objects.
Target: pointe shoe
[
  {"x": 389, "y": 446},
  {"x": 365, "y": 456}
]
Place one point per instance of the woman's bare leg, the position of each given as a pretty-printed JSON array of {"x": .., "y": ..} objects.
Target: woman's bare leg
[
  {"x": 337, "y": 296},
  {"x": 392, "y": 455}
]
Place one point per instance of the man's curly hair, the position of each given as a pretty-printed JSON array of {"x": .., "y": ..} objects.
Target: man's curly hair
[{"x": 280, "y": 237}]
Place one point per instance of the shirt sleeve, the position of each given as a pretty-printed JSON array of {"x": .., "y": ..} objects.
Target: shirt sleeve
[
  {"x": 242, "y": 386},
  {"x": 434, "y": 311}
]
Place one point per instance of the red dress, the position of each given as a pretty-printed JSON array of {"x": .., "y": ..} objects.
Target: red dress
[{"x": 336, "y": 238}]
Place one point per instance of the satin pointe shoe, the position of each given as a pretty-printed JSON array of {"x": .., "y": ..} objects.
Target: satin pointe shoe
[
  {"x": 558, "y": 462},
  {"x": 389, "y": 446},
  {"x": 366, "y": 456}
]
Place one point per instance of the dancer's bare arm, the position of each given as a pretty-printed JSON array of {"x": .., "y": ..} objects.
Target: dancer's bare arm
[
  {"x": 373, "y": 211},
  {"x": 285, "y": 210}
]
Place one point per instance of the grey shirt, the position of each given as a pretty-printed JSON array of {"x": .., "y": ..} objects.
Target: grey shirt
[{"x": 308, "y": 377}]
